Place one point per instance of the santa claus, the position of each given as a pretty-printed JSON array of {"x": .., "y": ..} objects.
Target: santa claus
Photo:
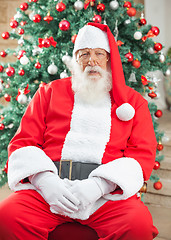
[{"x": 83, "y": 150}]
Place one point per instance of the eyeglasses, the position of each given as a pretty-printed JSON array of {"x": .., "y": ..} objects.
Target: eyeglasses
[{"x": 97, "y": 55}]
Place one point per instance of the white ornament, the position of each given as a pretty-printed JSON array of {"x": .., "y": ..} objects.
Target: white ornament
[
  {"x": 52, "y": 69},
  {"x": 24, "y": 60},
  {"x": 36, "y": 50},
  {"x": 78, "y": 5},
  {"x": 63, "y": 74},
  {"x": 31, "y": 15},
  {"x": 167, "y": 73},
  {"x": 162, "y": 58},
  {"x": 138, "y": 35},
  {"x": 22, "y": 98},
  {"x": 66, "y": 59},
  {"x": 17, "y": 15},
  {"x": 125, "y": 112},
  {"x": 128, "y": 21},
  {"x": 132, "y": 78},
  {"x": 151, "y": 50},
  {"x": 21, "y": 41},
  {"x": 1, "y": 87},
  {"x": 114, "y": 5}
]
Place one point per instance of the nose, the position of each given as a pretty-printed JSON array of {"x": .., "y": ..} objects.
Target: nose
[{"x": 92, "y": 60}]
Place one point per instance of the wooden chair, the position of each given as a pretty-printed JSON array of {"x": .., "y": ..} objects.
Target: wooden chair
[{"x": 77, "y": 231}]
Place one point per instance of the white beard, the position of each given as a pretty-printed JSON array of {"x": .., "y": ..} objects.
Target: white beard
[{"x": 90, "y": 88}]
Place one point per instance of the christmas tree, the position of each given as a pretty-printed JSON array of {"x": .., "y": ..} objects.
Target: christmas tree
[{"x": 46, "y": 31}]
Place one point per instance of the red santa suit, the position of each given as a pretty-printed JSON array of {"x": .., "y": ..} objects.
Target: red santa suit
[{"x": 59, "y": 125}]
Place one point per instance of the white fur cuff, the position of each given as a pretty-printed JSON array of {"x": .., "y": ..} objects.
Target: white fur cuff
[
  {"x": 125, "y": 172},
  {"x": 25, "y": 162}
]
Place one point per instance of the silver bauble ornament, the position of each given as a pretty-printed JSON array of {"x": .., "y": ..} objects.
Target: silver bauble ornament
[
  {"x": 66, "y": 59},
  {"x": 22, "y": 98},
  {"x": 167, "y": 73},
  {"x": 114, "y": 5},
  {"x": 78, "y": 5},
  {"x": 24, "y": 60},
  {"x": 151, "y": 50},
  {"x": 63, "y": 74},
  {"x": 128, "y": 21},
  {"x": 162, "y": 58},
  {"x": 137, "y": 35},
  {"x": 52, "y": 69}
]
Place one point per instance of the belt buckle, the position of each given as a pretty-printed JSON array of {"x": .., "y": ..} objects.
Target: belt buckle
[{"x": 70, "y": 167}]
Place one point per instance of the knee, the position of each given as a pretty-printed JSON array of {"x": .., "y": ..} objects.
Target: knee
[{"x": 140, "y": 225}]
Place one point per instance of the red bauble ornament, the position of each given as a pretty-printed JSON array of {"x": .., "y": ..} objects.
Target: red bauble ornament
[
  {"x": 157, "y": 185},
  {"x": 131, "y": 12},
  {"x": 97, "y": 19},
  {"x": 3, "y": 54},
  {"x": 22, "y": 23},
  {"x": 5, "y": 35},
  {"x": 60, "y": 7},
  {"x": 152, "y": 94},
  {"x": 142, "y": 21},
  {"x": 156, "y": 165},
  {"x": 2, "y": 126},
  {"x": 73, "y": 38},
  {"x": 46, "y": 43},
  {"x": 21, "y": 53},
  {"x": 158, "y": 113},
  {"x": 24, "y": 6},
  {"x": 48, "y": 19},
  {"x": 10, "y": 71},
  {"x": 129, "y": 56},
  {"x": 1, "y": 68},
  {"x": 37, "y": 18},
  {"x": 158, "y": 46},
  {"x": 7, "y": 97},
  {"x": 136, "y": 63},
  {"x": 64, "y": 25},
  {"x": 155, "y": 30},
  {"x": 37, "y": 65},
  {"x": 160, "y": 147},
  {"x": 127, "y": 4},
  {"x": 14, "y": 24},
  {"x": 100, "y": 7},
  {"x": 21, "y": 72},
  {"x": 21, "y": 31}
]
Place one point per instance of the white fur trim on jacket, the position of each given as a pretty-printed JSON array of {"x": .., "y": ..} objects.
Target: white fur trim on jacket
[
  {"x": 25, "y": 162},
  {"x": 125, "y": 172},
  {"x": 90, "y": 126}
]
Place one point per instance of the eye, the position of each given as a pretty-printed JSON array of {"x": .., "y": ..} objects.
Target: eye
[{"x": 84, "y": 55}]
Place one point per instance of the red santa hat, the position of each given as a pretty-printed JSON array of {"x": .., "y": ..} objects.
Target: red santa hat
[{"x": 96, "y": 35}]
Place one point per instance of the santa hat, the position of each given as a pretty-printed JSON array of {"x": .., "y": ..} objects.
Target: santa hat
[{"x": 96, "y": 35}]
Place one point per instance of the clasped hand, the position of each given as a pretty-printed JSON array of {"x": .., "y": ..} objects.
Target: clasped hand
[{"x": 66, "y": 196}]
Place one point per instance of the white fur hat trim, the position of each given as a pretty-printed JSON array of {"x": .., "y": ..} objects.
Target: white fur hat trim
[
  {"x": 125, "y": 112},
  {"x": 91, "y": 37}
]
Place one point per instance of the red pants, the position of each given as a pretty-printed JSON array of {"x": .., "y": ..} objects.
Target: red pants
[{"x": 26, "y": 216}]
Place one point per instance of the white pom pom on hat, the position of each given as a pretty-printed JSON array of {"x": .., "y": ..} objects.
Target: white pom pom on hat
[{"x": 96, "y": 35}]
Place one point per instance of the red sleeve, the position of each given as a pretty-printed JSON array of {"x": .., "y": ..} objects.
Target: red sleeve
[
  {"x": 142, "y": 142},
  {"x": 32, "y": 126}
]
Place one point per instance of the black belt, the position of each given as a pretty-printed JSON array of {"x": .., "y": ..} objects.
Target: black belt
[{"x": 74, "y": 170}]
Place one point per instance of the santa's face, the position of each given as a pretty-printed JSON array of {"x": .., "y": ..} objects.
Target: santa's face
[
  {"x": 89, "y": 58},
  {"x": 91, "y": 75}
]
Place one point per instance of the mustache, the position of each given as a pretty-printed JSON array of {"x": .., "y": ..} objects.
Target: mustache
[{"x": 98, "y": 69}]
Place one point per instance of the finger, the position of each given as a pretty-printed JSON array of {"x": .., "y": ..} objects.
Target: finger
[
  {"x": 68, "y": 195},
  {"x": 60, "y": 208},
  {"x": 69, "y": 204}
]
